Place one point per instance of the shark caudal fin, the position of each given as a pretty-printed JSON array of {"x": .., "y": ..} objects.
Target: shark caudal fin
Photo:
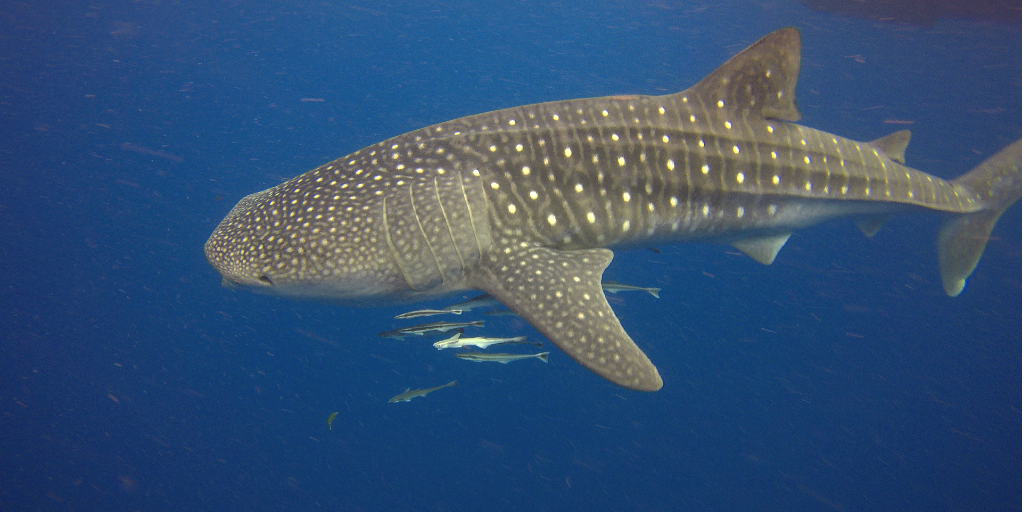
[{"x": 995, "y": 183}]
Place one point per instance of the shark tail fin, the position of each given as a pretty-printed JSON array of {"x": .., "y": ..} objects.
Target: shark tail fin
[
  {"x": 996, "y": 184},
  {"x": 543, "y": 356},
  {"x": 452, "y": 383}
]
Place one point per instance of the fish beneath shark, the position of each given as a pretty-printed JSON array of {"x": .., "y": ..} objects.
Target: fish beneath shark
[
  {"x": 423, "y": 329},
  {"x": 524, "y": 203},
  {"x": 409, "y": 394},
  {"x": 503, "y": 358},
  {"x": 457, "y": 341}
]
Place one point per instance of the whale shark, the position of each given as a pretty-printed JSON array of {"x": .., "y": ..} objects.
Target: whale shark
[{"x": 526, "y": 203}]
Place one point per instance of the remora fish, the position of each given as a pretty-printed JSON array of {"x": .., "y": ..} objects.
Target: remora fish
[
  {"x": 523, "y": 203},
  {"x": 480, "y": 301},
  {"x": 480, "y": 357},
  {"x": 613, "y": 287},
  {"x": 427, "y": 312},
  {"x": 407, "y": 395},
  {"x": 457, "y": 342},
  {"x": 457, "y": 309},
  {"x": 420, "y": 330}
]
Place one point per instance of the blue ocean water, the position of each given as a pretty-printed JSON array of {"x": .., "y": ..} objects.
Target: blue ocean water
[{"x": 839, "y": 378}]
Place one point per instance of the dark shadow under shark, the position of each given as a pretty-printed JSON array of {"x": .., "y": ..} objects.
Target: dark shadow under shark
[{"x": 523, "y": 203}]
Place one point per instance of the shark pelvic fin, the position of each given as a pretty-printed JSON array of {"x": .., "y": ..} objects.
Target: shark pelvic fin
[
  {"x": 559, "y": 293},
  {"x": 762, "y": 249},
  {"x": 893, "y": 145},
  {"x": 760, "y": 79},
  {"x": 870, "y": 225}
]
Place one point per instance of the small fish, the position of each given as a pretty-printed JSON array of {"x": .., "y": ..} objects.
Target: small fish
[
  {"x": 330, "y": 420},
  {"x": 480, "y": 357},
  {"x": 501, "y": 312},
  {"x": 420, "y": 330},
  {"x": 613, "y": 287},
  {"x": 407, "y": 395},
  {"x": 457, "y": 342},
  {"x": 480, "y": 301},
  {"x": 428, "y": 312}
]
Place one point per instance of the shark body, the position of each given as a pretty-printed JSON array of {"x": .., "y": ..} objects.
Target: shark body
[{"x": 524, "y": 203}]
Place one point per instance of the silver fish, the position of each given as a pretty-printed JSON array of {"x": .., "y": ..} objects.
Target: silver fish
[
  {"x": 420, "y": 330},
  {"x": 480, "y": 301},
  {"x": 480, "y": 357},
  {"x": 408, "y": 394},
  {"x": 458, "y": 342},
  {"x": 427, "y": 312},
  {"x": 613, "y": 287}
]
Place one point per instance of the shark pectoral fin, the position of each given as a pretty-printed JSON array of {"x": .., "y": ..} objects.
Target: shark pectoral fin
[
  {"x": 893, "y": 145},
  {"x": 760, "y": 79},
  {"x": 870, "y": 225},
  {"x": 559, "y": 293},
  {"x": 762, "y": 249}
]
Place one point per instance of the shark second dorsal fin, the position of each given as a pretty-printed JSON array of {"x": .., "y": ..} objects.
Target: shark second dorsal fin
[
  {"x": 761, "y": 78},
  {"x": 893, "y": 145}
]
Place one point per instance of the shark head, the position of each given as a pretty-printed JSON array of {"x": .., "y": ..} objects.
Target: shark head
[
  {"x": 286, "y": 241},
  {"x": 352, "y": 232}
]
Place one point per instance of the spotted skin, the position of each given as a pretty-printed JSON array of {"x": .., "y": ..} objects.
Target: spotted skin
[{"x": 524, "y": 203}]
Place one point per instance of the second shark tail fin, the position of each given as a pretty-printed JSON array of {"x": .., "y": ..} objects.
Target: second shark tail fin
[{"x": 995, "y": 183}]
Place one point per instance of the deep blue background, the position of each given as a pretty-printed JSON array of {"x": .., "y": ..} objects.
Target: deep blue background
[{"x": 839, "y": 378}]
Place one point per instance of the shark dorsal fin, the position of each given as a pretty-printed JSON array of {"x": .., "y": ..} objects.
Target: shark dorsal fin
[
  {"x": 893, "y": 145},
  {"x": 761, "y": 78}
]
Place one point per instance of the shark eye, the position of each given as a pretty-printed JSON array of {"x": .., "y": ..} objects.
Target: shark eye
[{"x": 266, "y": 280}]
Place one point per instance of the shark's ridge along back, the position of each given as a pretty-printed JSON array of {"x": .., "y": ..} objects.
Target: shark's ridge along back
[{"x": 523, "y": 203}]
